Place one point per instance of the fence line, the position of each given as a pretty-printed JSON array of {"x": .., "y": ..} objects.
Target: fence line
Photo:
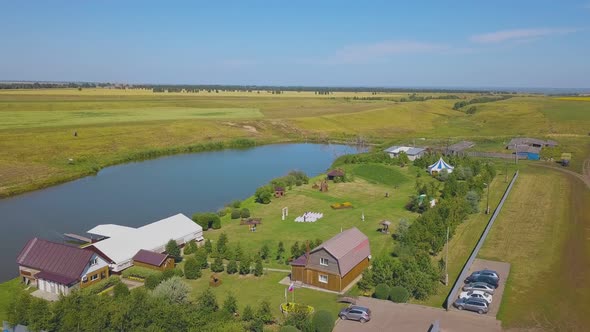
[
  {"x": 482, "y": 238},
  {"x": 494, "y": 155}
]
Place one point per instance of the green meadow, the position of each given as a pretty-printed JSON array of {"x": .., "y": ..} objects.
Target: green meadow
[{"x": 116, "y": 126}]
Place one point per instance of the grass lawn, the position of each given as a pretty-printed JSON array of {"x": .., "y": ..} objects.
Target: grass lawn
[
  {"x": 251, "y": 290},
  {"x": 367, "y": 198},
  {"x": 543, "y": 233},
  {"x": 6, "y": 290}
]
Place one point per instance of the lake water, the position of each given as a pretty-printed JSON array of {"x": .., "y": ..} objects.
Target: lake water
[{"x": 139, "y": 193}]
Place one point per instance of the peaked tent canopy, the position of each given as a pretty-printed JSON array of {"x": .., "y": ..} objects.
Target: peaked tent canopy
[{"x": 439, "y": 166}]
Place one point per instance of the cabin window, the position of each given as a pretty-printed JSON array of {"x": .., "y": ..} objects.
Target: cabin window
[
  {"x": 85, "y": 279},
  {"x": 94, "y": 261},
  {"x": 93, "y": 277},
  {"x": 324, "y": 261},
  {"x": 323, "y": 278}
]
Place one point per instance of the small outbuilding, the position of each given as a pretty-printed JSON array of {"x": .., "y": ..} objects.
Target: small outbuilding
[
  {"x": 412, "y": 152},
  {"x": 335, "y": 173},
  {"x": 459, "y": 148},
  {"x": 439, "y": 166},
  {"x": 279, "y": 192},
  {"x": 153, "y": 260}
]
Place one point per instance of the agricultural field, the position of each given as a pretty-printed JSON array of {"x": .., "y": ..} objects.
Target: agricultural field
[
  {"x": 543, "y": 233},
  {"x": 114, "y": 126}
]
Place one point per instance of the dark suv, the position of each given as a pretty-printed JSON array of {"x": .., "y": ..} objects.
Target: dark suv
[
  {"x": 354, "y": 312},
  {"x": 477, "y": 305},
  {"x": 482, "y": 278}
]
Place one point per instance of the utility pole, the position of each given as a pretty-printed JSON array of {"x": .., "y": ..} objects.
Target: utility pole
[{"x": 447, "y": 260}]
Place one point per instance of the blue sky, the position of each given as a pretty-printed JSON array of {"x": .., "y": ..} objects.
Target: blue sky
[{"x": 370, "y": 43}]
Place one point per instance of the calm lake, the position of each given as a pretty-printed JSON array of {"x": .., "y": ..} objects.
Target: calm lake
[{"x": 139, "y": 193}]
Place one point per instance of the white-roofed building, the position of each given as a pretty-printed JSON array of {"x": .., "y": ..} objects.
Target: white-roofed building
[
  {"x": 413, "y": 153},
  {"x": 439, "y": 166},
  {"x": 124, "y": 242}
]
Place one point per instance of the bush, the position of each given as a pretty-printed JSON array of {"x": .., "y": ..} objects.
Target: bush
[
  {"x": 399, "y": 294},
  {"x": 152, "y": 281},
  {"x": 101, "y": 285},
  {"x": 173, "y": 291},
  {"x": 232, "y": 267},
  {"x": 248, "y": 314},
  {"x": 216, "y": 223},
  {"x": 322, "y": 321},
  {"x": 264, "y": 313},
  {"x": 217, "y": 265},
  {"x": 167, "y": 274},
  {"x": 235, "y": 214},
  {"x": 207, "y": 220},
  {"x": 139, "y": 272},
  {"x": 222, "y": 212},
  {"x": 199, "y": 220},
  {"x": 263, "y": 195},
  {"x": 236, "y": 204},
  {"x": 190, "y": 248},
  {"x": 245, "y": 213},
  {"x": 381, "y": 292},
  {"x": 192, "y": 270},
  {"x": 120, "y": 290},
  {"x": 289, "y": 328}
]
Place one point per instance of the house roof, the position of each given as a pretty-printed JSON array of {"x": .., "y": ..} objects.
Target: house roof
[
  {"x": 336, "y": 172},
  {"x": 460, "y": 146},
  {"x": 277, "y": 188},
  {"x": 110, "y": 230},
  {"x": 518, "y": 141},
  {"x": 409, "y": 150},
  {"x": 349, "y": 248},
  {"x": 440, "y": 165},
  {"x": 58, "y": 262},
  {"x": 123, "y": 246},
  {"x": 150, "y": 257}
]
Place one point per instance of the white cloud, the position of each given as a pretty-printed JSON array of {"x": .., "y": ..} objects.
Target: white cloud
[
  {"x": 519, "y": 35},
  {"x": 367, "y": 53}
]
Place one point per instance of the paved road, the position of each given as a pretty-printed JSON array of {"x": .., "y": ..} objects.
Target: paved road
[{"x": 389, "y": 316}]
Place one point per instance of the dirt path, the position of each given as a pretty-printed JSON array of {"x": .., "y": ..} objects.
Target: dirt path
[{"x": 585, "y": 177}]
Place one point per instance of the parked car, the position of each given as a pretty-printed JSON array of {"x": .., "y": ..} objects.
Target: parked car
[
  {"x": 476, "y": 294},
  {"x": 488, "y": 280},
  {"x": 477, "y": 305},
  {"x": 354, "y": 312},
  {"x": 481, "y": 286},
  {"x": 487, "y": 273}
]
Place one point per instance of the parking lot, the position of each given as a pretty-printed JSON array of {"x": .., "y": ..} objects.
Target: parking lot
[
  {"x": 503, "y": 269},
  {"x": 389, "y": 316}
]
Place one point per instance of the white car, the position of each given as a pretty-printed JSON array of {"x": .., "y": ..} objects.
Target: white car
[{"x": 476, "y": 294}]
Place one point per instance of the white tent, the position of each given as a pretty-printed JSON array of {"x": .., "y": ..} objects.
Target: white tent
[{"x": 439, "y": 166}]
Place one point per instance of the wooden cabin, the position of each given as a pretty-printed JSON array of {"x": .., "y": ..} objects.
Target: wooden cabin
[
  {"x": 279, "y": 192},
  {"x": 334, "y": 264},
  {"x": 335, "y": 173},
  {"x": 153, "y": 260}
]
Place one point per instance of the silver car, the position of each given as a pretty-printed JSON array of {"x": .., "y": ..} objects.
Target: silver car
[
  {"x": 477, "y": 305},
  {"x": 354, "y": 312},
  {"x": 480, "y": 286}
]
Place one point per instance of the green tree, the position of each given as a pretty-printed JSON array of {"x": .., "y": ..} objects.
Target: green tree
[
  {"x": 280, "y": 251},
  {"x": 248, "y": 314},
  {"x": 230, "y": 305},
  {"x": 244, "y": 267},
  {"x": 173, "y": 250},
  {"x": 366, "y": 282},
  {"x": 381, "y": 292},
  {"x": 18, "y": 308},
  {"x": 192, "y": 270},
  {"x": 120, "y": 290},
  {"x": 152, "y": 281},
  {"x": 238, "y": 252},
  {"x": 295, "y": 250},
  {"x": 208, "y": 246},
  {"x": 201, "y": 258},
  {"x": 207, "y": 302},
  {"x": 264, "y": 312},
  {"x": 222, "y": 243},
  {"x": 232, "y": 267},
  {"x": 235, "y": 214},
  {"x": 323, "y": 321},
  {"x": 399, "y": 294},
  {"x": 264, "y": 251},
  {"x": 39, "y": 315},
  {"x": 217, "y": 265},
  {"x": 258, "y": 269}
]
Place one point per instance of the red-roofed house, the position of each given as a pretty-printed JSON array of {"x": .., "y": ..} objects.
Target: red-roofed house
[
  {"x": 334, "y": 264},
  {"x": 153, "y": 260},
  {"x": 58, "y": 268}
]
